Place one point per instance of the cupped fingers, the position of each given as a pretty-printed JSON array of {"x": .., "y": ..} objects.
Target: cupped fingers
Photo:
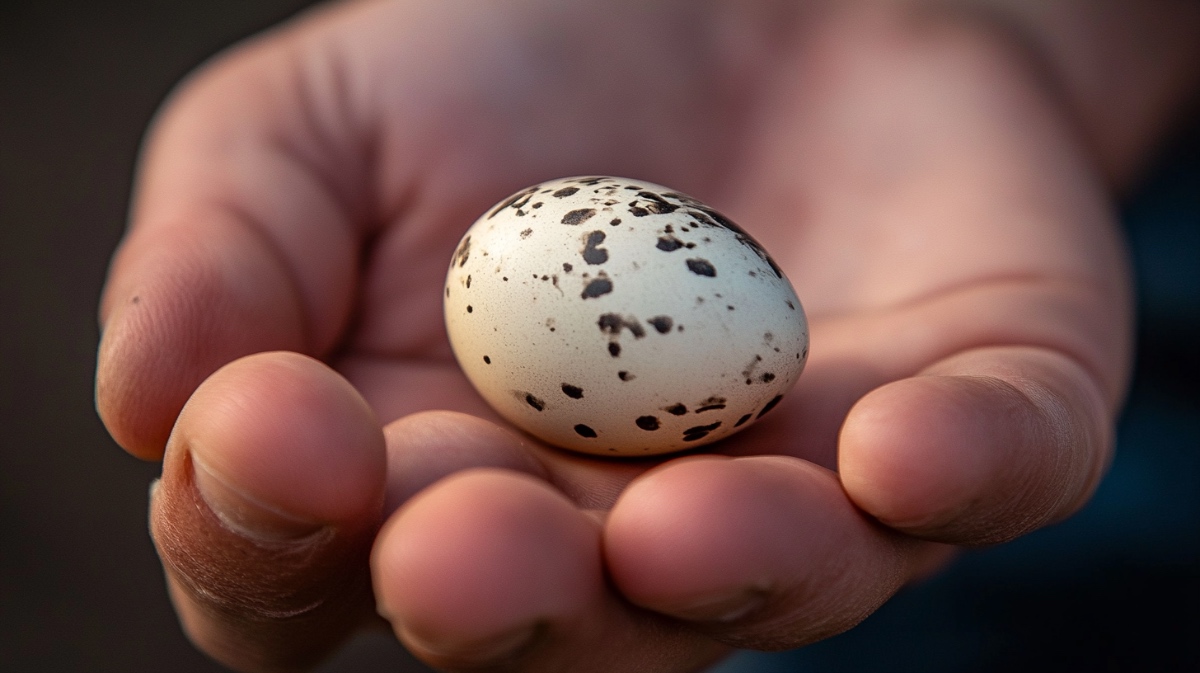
[
  {"x": 983, "y": 447},
  {"x": 272, "y": 490},
  {"x": 762, "y": 552},
  {"x": 494, "y": 569}
]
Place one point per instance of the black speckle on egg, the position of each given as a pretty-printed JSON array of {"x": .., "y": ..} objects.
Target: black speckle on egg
[
  {"x": 584, "y": 431},
  {"x": 578, "y": 216},
  {"x": 701, "y": 267},
  {"x": 668, "y": 243},
  {"x": 702, "y": 218},
  {"x": 565, "y": 192},
  {"x": 791, "y": 305},
  {"x": 515, "y": 201},
  {"x": 468, "y": 281},
  {"x": 463, "y": 252},
  {"x": 748, "y": 371},
  {"x": 682, "y": 198},
  {"x": 742, "y": 421},
  {"x": 711, "y": 404},
  {"x": 677, "y": 409},
  {"x": 699, "y": 432},
  {"x": 638, "y": 211},
  {"x": 614, "y": 349},
  {"x": 613, "y": 323},
  {"x": 534, "y": 402},
  {"x": 567, "y": 267},
  {"x": 526, "y": 233},
  {"x": 574, "y": 392},
  {"x": 772, "y": 264},
  {"x": 711, "y": 217},
  {"x": 596, "y": 288},
  {"x": 770, "y": 405},
  {"x": 592, "y": 253},
  {"x": 625, "y": 376},
  {"x": 767, "y": 377},
  {"x": 647, "y": 422},
  {"x": 537, "y": 205},
  {"x": 487, "y": 360},
  {"x": 615, "y": 221},
  {"x": 470, "y": 309},
  {"x": 657, "y": 204},
  {"x": 661, "y": 323}
]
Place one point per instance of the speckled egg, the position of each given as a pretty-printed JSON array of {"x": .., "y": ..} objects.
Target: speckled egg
[{"x": 618, "y": 317}]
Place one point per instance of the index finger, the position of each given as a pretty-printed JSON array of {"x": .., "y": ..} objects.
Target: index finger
[{"x": 242, "y": 235}]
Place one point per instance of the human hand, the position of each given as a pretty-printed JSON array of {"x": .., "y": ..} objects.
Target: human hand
[{"x": 966, "y": 292}]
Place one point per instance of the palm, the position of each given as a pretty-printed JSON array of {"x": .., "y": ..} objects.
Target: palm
[{"x": 854, "y": 276}]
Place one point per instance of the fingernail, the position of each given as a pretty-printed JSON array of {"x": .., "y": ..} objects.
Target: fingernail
[
  {"x": 722, "y": 608},
  {"x": 491, "y": 650},
  {"x": 244, "y": 515}
]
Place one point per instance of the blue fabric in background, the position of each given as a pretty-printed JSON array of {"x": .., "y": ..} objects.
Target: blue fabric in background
[{"x": 1116, "y": 587}]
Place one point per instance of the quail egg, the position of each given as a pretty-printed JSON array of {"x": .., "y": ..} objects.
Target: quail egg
[{"x": 618, "y": 317}]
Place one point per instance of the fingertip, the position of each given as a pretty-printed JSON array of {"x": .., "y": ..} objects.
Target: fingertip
[
  {"x": 286, "y": 431},
  {"x": 682, "y": 512},
  {"x": 138, "y": 392},
  {"x": 271, "y": 493},
  {"x": 181, "y": 303},
  {"x": 761, "y": 552},
  {"x": 915, "y": 453},
  {"x": 670, "y": 517},
  {"x": 970, "y": 459},
  {"x": 473, "y": 567}
]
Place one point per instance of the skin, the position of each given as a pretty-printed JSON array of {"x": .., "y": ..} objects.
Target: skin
[{"x": 935, "y": 180}]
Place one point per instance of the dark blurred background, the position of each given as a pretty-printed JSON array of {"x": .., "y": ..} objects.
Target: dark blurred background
[{"x": 1115, "y": 588}]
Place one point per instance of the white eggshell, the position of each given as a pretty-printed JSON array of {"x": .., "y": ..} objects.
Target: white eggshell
[{"x": 617, "y": 317}]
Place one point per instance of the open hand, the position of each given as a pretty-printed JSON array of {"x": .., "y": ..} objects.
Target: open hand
[{"x": 302, "y": 194}]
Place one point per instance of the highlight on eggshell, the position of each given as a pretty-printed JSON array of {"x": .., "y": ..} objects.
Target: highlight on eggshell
[{"x": 618, "y": 317}]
